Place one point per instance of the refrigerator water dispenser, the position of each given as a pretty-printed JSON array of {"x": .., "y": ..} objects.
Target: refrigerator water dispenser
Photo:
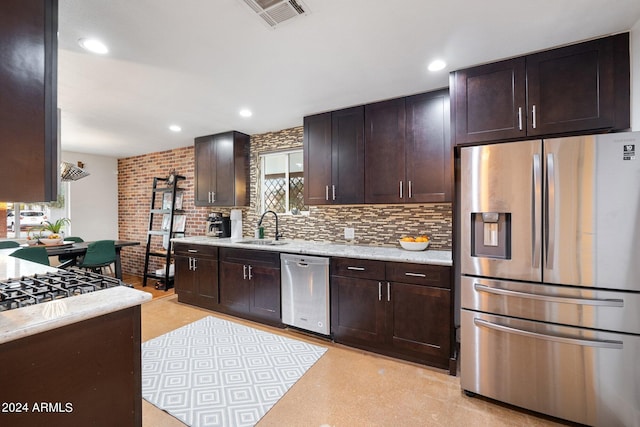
[{"x": 491, "y": 235}]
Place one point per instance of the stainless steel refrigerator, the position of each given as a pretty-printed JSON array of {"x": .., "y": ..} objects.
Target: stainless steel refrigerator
[{"x": 550, "y": 276}]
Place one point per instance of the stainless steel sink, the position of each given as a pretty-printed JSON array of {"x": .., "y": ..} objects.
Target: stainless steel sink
[{"x": 263, "y": 242}]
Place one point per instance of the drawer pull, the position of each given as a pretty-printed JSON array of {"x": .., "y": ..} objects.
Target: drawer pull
[
  {"x": 356, "y": 268},
  {"x": 415, "y": 275},
  {"x": 193, "y": 251}
]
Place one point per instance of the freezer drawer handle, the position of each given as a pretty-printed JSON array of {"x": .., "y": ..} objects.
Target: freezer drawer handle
[
  {"x": 616, "y": 345},
  {"x": 356, "y": 268},
  {"x": 550, "y": 298}
]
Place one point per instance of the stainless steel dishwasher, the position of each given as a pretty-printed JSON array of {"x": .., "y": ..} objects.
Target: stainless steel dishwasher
[{"x": 305, "y": 292}]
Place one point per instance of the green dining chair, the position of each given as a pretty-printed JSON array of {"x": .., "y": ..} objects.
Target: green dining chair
[
  {"x": 6, "y": 244},
  {"x": 100, "y": 254},
  {"x": 34, "y": 253}
]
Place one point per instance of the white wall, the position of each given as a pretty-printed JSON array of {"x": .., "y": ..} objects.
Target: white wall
[
  {"x": 93, "y": 200},
  {"x": 635, "y": 76}
]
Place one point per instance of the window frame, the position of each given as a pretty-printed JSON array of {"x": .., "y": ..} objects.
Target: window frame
[{"x": 262, "y": 158}]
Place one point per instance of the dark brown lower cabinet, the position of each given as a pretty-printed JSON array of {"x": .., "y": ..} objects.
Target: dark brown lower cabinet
[
  {"x": 405, "y": 313},
  {"x": 196, "y": 275},
  {"x": 250, "y": 284},
  {"x": 83, "y": 374}
]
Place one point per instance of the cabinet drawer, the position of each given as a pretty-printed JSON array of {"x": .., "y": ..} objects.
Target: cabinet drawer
[
  {"x": 419, "y": 274},
  {"x": 195, "y": 250},
  {"x": 250, "y": 256},
  {"x": 360, "y": 268}
]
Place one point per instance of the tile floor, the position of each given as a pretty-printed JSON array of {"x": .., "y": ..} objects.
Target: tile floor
[{"x": 348, "y": 387}]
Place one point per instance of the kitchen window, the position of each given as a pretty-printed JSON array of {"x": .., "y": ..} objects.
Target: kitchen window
[{"x": 282, "y": 182}]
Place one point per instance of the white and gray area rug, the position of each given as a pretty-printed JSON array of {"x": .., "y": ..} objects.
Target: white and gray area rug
[{"x": 213, "y": 372}]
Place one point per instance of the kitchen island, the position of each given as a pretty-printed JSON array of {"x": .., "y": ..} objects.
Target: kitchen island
[{"x": 70, "y": 361}]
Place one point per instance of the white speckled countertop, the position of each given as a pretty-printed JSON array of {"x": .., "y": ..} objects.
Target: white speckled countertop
[
  {"x": 25, "y": 321},
  {"x": 332, "y": 250}
]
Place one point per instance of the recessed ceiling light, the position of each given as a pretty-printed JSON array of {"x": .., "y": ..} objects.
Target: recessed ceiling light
[
  {"x": 437, "y": 65},
  {"x": 246, "y": 112},
  {"x": 93, "y": 45},
  {"x": 175, "y": 128}
]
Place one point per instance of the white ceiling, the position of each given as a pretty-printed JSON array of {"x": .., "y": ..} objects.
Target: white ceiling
[{"x": 196, "y": 63}]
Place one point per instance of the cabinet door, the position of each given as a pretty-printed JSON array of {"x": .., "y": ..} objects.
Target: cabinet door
[
  {"x": 204, "y": 152},
  {"x": 385, "y": 152},
  {"x": 347, "y": 166},
  {"x": 489, "y": 102},
  {"x": 571, "y": 88},
  {"x": 317, "y": 159},
  {"x": 206, "y": 282},
  {"x": 265, "y": 293},
  {"x": 357, "y": 311},
  {"x": 419, "y": 322},
  {"x": 184, "y": 282},
  {"x": 234, "y": 287},
  {"x": 428, "y": 147},
  {"x": 224, "y": 171},
  {"x": 29, "y": 168}
]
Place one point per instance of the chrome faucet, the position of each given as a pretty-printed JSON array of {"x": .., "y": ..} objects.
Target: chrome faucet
[{"x": 278, "y": 235}]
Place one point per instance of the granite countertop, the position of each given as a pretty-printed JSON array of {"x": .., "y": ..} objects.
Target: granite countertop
[
  {"x": 306, "y": 247},
  {"x": 25, "y": 321}
]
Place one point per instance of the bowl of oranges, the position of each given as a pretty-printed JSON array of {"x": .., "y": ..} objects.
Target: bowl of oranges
[{"x": 419, "y": 243}]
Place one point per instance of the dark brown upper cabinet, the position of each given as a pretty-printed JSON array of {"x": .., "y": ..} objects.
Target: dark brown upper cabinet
[
  {"x": 334, "y": 157},
  {"x": 408, "y": 149},
  {"x": 222, "y": 169},
  {"x": 574, "y": 89},
  {"x": 28, "y": 104}
]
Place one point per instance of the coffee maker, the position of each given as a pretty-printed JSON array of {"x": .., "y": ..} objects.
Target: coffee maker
[{"x": 218, "y": 225}]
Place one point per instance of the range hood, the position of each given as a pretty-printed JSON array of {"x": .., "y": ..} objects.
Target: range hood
[
  {"x": 275, "y": 12},
  {"x": 71, "y": 172}
]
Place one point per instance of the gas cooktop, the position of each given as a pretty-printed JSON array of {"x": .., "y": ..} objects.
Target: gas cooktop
[{"x": 16, "y": 293}]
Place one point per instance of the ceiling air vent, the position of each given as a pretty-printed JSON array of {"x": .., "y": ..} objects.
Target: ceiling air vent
[{"x": 275, "y": 12}]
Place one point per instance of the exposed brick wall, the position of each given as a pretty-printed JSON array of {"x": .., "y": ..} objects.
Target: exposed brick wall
[{"x": 374, "y": 224}]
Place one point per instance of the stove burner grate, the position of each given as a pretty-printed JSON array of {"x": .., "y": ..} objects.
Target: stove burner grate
[{"x": 16, "y": 293}]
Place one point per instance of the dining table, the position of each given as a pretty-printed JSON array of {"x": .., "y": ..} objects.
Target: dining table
[{"x": 79, "y": 249}]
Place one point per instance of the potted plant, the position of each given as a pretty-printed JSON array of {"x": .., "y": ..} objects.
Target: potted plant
[{"x": 55, "y": 228}]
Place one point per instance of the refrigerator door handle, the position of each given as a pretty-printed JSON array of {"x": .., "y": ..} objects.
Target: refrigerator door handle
[
  {"x": 536, "y": 194},
  {"x": 616, "y": 345},
  {"x": 550, "y": 298},
  {"x": 550, "y": 223}
]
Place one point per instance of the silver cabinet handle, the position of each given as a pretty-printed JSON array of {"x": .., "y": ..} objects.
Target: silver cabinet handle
[
  {"x": 617, "y": 345},
  {"x": 550, "y": 298},
  {"x": 244, "y": 272},
  {"x": 415, "y": 274},
  {"x": 214, "y": 197},
  {"x": 190, "y": 263},
  {"x": 326, "y": 192},
  {"x": 519, "y": 118},
  {"x": 250, "y": 275},
  {"x": 533, "y": 118},
  {"x": 195, "y": 264},
  {"x": 379, "y": 291},
  {"x": 401, "y": 192},
  {"x": 410, "y": 190},
  {"x": 333, "y": 191},
  {"x": 356, "y": 268},
  {"x": 193, "y": 251},
  {"x": 536, "y": 196},
  {"x": 550, "y": 223},
  {"x": 388, "y": 291}
]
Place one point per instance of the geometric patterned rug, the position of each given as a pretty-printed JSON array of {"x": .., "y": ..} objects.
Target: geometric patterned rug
[{"x": 213, "y": 372}]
